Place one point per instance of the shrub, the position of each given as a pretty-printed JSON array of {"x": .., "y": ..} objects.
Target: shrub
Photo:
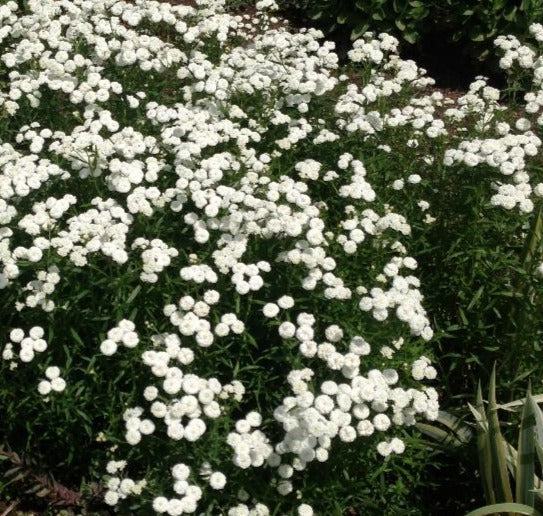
[
  {"x": 206, "y": 255},
  {"x": 470, "y": 28},
  {"x": 196, "y": 301}
]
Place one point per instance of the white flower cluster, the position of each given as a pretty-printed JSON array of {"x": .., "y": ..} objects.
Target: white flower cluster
[
  {"x": 401, "y": 296},
  {"x": 40, "y": 288},
  {"x": 46, "y": 214},
  {"x": 123, "y": 334},
  {"x": 29, "y": 345},
  {"x": 251, "y": 447},
  {"x": 507, "y": 154},
  {"x": 311, "y": 421},
  {"x": 135, "y": 426},
  {"x": 203, "y": 176},
  {"x": 502, "y": 149},
  {"x": 372, "y": 50},
  {"x": 120, "y": 488},
  {"x": 157, "y": 255},
  {"x": 191, "y": 317},
  {"x": 53, "y": 383},
  {"x": 101, "y": 229},
  {"x": 190, "y": 494},
  {"x": 421, "y": 369},
  {"x": 192, "y": 397}
]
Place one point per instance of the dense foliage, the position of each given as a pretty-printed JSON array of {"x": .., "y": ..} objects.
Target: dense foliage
[{"x": 472, "y": 25}]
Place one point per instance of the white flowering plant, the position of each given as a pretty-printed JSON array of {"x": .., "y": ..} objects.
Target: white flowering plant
[{"x": 209, "y": 255}]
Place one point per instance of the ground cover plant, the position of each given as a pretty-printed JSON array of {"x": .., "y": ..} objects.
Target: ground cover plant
[{"x": 212, "y": 244}]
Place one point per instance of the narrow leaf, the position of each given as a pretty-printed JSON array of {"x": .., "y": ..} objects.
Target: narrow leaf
[
  {"x": 497, "y": 508},
  {"x": 499, "y": 462},
  {"x": 518, "y": 404},
  {"x": 462, "y": 431},
  {"x": 538, "y": 419},
  {"x": 526, "y": 456},
  {"x": 483, "y": 447},
  {"x": 443, "y": 437}
]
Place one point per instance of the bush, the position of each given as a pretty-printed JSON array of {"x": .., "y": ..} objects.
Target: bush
[
  {"x": 470, "y": 27},
  {"x": 210, "y": 252}
]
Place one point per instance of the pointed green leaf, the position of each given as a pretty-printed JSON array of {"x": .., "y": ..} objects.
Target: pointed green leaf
[
  {"x": 475, "y": 297},
  {"x": 497, "y": 447},
  {"x": 538, "y": 419},
  {"x": 133, "y": 294},
  {"x": 483, "y": 447},
  {"x": 518, "y": 404},
  {"x": 526, "y": 456}
]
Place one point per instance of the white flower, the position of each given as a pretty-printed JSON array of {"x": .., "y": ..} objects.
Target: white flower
[
  {"x": 58, "y": 384},
  {"x": 305, "y": 510},
  {"x": 160, "y": 504},
  {"x": 270, "y": 310},
  {"x": 44, "y": 387},
  {"x": 285, "y": 302},
  {"x": 381, "y": 422},
  {"x": 384, "y": 448},
  {"x": 16, "y": 335},
  {"x": 52, "y": 372},
  {"x": 217, "y": 480},
  {"x": 287, "y": 330},
  {"x": 111, "y": 497},
  {"x": 133, "y": 437},
  {"x": 108, "y": 347}
]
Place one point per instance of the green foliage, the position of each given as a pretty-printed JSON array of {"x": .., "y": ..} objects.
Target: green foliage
[
  {"x": 499, "y": 460},
  {"x": 473, "y": 24},
  {"x": 400, "y": 17}
]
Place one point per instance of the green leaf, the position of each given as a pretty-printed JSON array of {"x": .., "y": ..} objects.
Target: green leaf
[
  {"x": 483, "y": 446},
  {"x": 514, "y": 406},
  {"x": 410, "y": 36},
  {"x": 497, "y": 508},
  {"x": 399, "y": 24},
  {"x": 358, "y": 31},
  {"x": 76, "y": 337},
  {"x": 463, "y": 431},
  {"x": 476, "y": 297},
  {"x": 511, "y": 15},
  {"x": 499, "y": 463},
  {"x": 441, "y": 436},
  {"x": 538, "y": 418},
  {"x": 316, "y": 15},
  {"x": 133, "y": 294},
  {"x": 526, "y": 456}
]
